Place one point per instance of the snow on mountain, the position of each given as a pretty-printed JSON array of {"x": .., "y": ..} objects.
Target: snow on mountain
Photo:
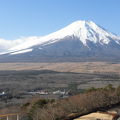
[
  {"x": 6, "y": 45},
  {"x": 22, "y": 51},
  {"x": 76, "y": 42},
  {"x": 83, "y": 30}
]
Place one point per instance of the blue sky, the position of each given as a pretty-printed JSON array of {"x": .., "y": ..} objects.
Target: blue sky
[{"x": 20, "y": 18}]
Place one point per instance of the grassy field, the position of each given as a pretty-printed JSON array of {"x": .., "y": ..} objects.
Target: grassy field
[{"x": 78, "y": 67}]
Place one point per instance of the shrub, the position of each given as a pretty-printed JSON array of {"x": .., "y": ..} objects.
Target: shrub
[{"x": 94, "y": 99}]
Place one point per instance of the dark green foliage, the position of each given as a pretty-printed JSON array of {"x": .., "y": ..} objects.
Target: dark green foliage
[
  {"x": 26, "y": 105},
  {"x": 72, "y": 87},
  {"x": 42, "y": 102},
  {"x": 91, "y": 89},
  {"x": 26, "y": 117},
  {"x": 109, "y": 87}
]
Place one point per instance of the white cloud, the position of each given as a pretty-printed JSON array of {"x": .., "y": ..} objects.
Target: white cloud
[{"x": 9, "y": 45}]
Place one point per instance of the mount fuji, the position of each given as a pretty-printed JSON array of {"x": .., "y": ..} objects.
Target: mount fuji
[{"x": 79, "y": 41}]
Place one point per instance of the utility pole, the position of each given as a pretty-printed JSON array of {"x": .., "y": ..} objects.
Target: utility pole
[
  {"x": 17, "y": 116},
  {"x": 7, "y": 118}
]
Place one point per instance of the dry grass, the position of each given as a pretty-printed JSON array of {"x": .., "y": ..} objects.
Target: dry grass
[
  {"x": 79, "y": 67},
  {"x": 68, "y": 109},
  {"x": 95, "y": 116}
]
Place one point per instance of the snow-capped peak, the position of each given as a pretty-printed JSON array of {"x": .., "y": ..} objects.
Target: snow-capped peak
[
  {"x": 88, "y": 30},
  {"x": 83, "y": 30}
]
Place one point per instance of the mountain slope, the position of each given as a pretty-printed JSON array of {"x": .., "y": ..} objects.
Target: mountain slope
[{"x": 78, "y": 41}]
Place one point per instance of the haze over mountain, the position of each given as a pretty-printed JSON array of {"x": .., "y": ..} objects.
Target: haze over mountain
[{"x": 79, "y": 41}]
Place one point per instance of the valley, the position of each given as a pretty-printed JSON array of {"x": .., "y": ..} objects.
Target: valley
[{"x": 24, "y": 81}]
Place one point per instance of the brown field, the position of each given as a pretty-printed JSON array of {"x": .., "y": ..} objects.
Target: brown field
[
  {"x": 97, "y": 115},
  {"x": 78, "y": 67}
]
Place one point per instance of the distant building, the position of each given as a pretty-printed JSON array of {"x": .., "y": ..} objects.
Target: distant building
[
  {"x": 58, "y": 92},
  {"x": 2, "y": 94},
  {"x": 39, "y": 92}
]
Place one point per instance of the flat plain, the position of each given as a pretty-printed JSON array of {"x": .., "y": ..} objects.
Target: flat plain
[
  {"x": 18, "y": 79},
  {"x": 77, "y": 67}
]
